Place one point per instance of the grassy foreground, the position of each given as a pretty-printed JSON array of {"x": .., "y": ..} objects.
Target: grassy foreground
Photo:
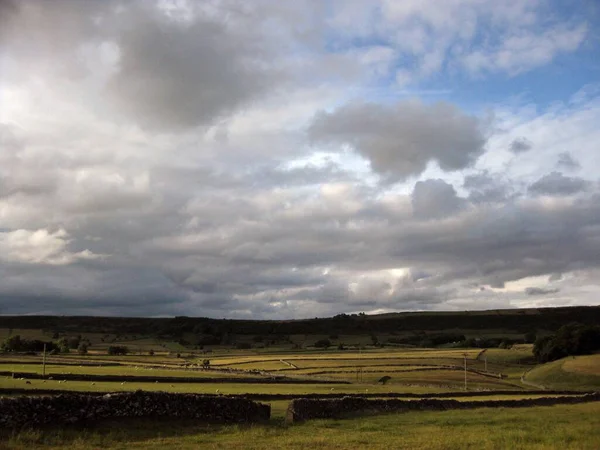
[{"x": 556, "y": 427}]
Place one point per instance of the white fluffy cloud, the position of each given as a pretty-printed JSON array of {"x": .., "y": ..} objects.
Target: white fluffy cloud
[{"x": 39, "y": 247}]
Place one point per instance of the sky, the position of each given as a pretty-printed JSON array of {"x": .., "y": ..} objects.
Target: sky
[{"x": 273, "y": 160}]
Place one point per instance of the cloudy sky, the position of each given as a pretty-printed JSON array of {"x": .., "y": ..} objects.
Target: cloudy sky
[{"x": 272, "y": 159}]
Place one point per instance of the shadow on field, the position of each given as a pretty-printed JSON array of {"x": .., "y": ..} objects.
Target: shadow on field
[{"x": 108, "y": 432}]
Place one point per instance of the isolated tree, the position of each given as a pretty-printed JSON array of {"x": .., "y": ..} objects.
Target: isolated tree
[
  {"x": 323, "y": 343},
  {"x": 82, "y": 349},
  {"x": 374, "y": 340},
  {"x": 63, "y": 345},
  {"x": 74, "y": 342},
  {"x": 117, "y": 350}
]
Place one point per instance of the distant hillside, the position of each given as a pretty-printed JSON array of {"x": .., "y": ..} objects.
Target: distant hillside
[
  {"x": 514, "y": 320},
  {"x": 573, "y": 372}
]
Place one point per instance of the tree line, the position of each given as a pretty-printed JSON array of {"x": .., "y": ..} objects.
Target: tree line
[{"x": 570, "y": 340}]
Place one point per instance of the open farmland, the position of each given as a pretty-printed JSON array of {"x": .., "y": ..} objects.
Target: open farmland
[
  {"x": 579, "y": 372},
  {"x": 290, "y": 367}
]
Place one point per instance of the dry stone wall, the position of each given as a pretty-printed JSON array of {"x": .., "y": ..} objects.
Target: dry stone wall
[
  {"x": 167, "y": 379},
  {"x": 331, "y": 395},
  {"x": 305, "y": 409},
  {"x": 28, "y": 411}
]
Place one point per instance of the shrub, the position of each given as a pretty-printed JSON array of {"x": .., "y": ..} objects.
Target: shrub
[
  {"x": 323, "y": 343},
  {"x": 73, "y": 342},
  {"x": 63, "y": 345},
  {"x": 117, "y": 350},
  {"x": 83, "y": 348}
]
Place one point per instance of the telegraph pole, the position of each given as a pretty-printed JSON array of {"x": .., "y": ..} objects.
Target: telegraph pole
[
  {"x": 465, "y": 370},
  {"x": 44, "y": 363}
]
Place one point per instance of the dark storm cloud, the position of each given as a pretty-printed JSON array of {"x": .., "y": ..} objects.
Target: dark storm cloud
[
  {"x": 400, "y": 140},
  {"x": 433, "y": 199},
  {"x": 556, "y": 183},
  {"x": 179, "y": 74},
  {"x": 487, "y": 188}
]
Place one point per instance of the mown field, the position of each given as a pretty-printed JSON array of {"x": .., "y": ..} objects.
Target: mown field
[{"x": 358, "y": 371}]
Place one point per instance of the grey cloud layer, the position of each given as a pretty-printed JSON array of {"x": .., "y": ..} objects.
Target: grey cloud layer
[
  {"x": 556, "y": 183},
  {"x": 174, "y": 74},
  {"x": 170, "y": 163}
]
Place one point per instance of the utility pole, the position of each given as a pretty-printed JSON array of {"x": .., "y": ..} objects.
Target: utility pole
[
  {"x": 465, "y": 370},
  {"x": 485, "y": 361},
  {"x": 44, "y": 363}
]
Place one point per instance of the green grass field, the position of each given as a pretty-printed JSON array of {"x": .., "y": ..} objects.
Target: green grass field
[
  {"x": 437, "y": 368},
  {"x": 410, "y": 370},
  {"x": 541, "y": 428},
  {"x": 579, "y": 373}
]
